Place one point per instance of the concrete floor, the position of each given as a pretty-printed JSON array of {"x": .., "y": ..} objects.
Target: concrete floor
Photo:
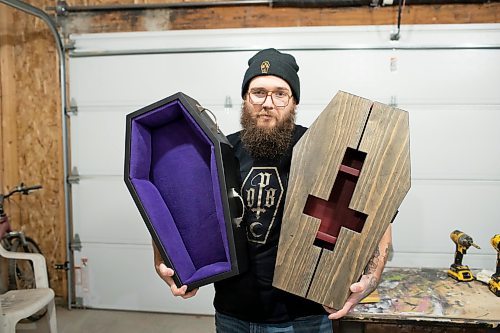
[{"x": 107, "y": 321}]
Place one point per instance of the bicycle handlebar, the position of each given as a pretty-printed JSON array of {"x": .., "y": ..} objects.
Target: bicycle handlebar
[
  {"x": 21, "y": 189},
  {"x": 32, "y": 188}
]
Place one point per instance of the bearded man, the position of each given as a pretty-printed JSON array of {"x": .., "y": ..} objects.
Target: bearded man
[{"x": 248, "y": 302}]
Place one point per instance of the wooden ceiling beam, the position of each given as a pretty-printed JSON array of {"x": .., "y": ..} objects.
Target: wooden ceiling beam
[{"x": 262, "y": 17}]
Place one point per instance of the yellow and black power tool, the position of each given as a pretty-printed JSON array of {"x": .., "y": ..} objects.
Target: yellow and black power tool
[
  {"x": 458, "y": 271},
  {"x": 494, "y": 283}
]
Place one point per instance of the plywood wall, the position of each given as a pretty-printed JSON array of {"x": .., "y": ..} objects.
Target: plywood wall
[
  {"x": 31, "y": 136},
  {"x": 30, "y": 110}
]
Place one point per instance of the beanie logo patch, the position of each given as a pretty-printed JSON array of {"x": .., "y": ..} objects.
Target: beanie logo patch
[{"x": 264, "y": 67}]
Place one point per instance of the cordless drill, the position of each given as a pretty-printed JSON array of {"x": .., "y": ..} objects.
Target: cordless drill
[
  {"x": 458, "y": 271},
  {"x": 494, "y": 283}
]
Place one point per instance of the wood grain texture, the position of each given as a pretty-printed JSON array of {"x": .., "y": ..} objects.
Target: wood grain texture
[
  {"x": 383, "y": 183},
  {"x": 32, "y": 134},
  {"x": 381, "y": 187},
  {"x": 8, "y": 108},
  {"x": 265, "y": 16},
  {"x": 314, "y": 169}
]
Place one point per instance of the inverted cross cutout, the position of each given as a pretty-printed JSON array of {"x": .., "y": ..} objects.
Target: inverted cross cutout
[{"x": 335, "y": 213}]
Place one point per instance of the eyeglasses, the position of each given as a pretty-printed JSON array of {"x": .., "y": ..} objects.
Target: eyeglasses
[{"x": 280, "y": 98}]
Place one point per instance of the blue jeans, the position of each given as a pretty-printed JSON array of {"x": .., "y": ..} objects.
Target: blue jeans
[{"x": 310, "y": 324}]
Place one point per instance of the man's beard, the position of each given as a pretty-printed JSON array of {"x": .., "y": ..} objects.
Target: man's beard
[{"x": 266, "y": 142}]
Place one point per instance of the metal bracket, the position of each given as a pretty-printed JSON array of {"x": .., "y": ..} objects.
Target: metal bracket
[
  {"x": 76, "y": 244},
  {"x": 69, "y": 44},
  {"x": 79, "y": 303},
  {"x": 73, "y": 108},
  {"x": 394, "y": 101},
  {"x": 61, "y": 8},
  {"x": 202, "y": 109},
  {"x": 74, "y": 177},
  {"x": 62, "y": 266},
  {"x": 395, "y": 36},
  {"x": 228, "y": 103}
]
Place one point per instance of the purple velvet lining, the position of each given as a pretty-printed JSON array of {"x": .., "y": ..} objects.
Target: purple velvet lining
[
  {"x": 140, "y": 157},
  {"x": 173, "y": 169},
  {"x": 164, "y": 226},
  {"x": 218, "y": 199}
]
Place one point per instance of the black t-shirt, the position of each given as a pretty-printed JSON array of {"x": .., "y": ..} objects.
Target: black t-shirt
[{"x": 250, "y": 296}]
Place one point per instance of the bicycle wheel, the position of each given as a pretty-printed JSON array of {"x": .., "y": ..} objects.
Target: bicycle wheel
[{"x": 21, "y": 272}]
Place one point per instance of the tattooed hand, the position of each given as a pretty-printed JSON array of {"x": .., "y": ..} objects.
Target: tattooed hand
[
  {"x": 360, "y": 290},
  {"x": 369, "y": 280}
]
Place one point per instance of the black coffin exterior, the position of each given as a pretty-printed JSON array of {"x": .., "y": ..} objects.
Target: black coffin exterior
[{"x": 183, "y": 176}]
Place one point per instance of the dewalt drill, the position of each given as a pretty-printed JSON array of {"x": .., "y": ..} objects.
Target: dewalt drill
[
  {"x": 494, "y": 283},
  {"x": 458, "y": 271}
]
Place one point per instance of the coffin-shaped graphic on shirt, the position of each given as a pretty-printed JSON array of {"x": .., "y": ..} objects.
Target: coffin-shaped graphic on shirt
[
  {"x": 349, "y": 174},
  {"x": 182, "y": 174},
  {"x": 262, "y": 193}
]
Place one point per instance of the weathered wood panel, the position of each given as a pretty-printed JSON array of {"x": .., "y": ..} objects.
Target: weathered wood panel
[
  {"x": 305, "y": 268},
  {"x": 315, "y": 176},
  {"x": 265, "y": 16},
  {"x": 382, "y": 185}
]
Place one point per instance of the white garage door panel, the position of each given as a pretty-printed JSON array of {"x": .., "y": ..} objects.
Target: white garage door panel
[
  {"x": 448, "y": 77},
  {"x": 442, "y": 260},
  {"x": 153, "y": 77},
  {"x": 364, "y": 73},
  {"x": 123, "y": 277},
  {"x": 101, "y": 153},
  {"x": 433, "y": 209},
  {"x": 454, "y": 142},
  {"x": 106, "y": 212},
  {"x": 440, "y": 138},
  {"x": 439, "y": 76},
  {"x": 451, "y": 95}
]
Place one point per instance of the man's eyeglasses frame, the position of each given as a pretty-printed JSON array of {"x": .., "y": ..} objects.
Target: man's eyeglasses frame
[{"x": 269, "y": 93}]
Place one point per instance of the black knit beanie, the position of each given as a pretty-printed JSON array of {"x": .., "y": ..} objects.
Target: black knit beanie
[{"x": 273, "y": 62}]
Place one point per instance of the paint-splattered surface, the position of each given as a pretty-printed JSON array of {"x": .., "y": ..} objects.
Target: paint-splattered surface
[{"x": 430, "y": 295}]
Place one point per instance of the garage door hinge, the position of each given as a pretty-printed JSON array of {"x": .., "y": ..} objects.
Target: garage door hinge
[
  {"x": 74, "y": 177},
  {"x": 69, "y": 44},
  {"x": 62, "y": 266},
  {"x": 72, "y": 110},
  {"x": 76, "y": 244}
]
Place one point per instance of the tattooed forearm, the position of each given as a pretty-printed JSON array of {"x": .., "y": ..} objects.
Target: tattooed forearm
[
  {"x": 386, "y": 257},
  {"x": 371, "y": 269},
  {"x": 372, "y": 284},
  {"x": 373, "y": 263},
  {"x": 376, "y": 259}
]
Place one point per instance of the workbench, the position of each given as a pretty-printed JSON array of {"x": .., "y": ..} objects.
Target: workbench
[{"x": 425, "y": 300}]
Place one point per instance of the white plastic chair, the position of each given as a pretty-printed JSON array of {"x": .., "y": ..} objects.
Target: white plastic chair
[{"x": 18, "y": 304}]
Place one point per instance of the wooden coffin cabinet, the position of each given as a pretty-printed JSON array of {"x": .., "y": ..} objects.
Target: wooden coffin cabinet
[{"x": 350, "y": 172}]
